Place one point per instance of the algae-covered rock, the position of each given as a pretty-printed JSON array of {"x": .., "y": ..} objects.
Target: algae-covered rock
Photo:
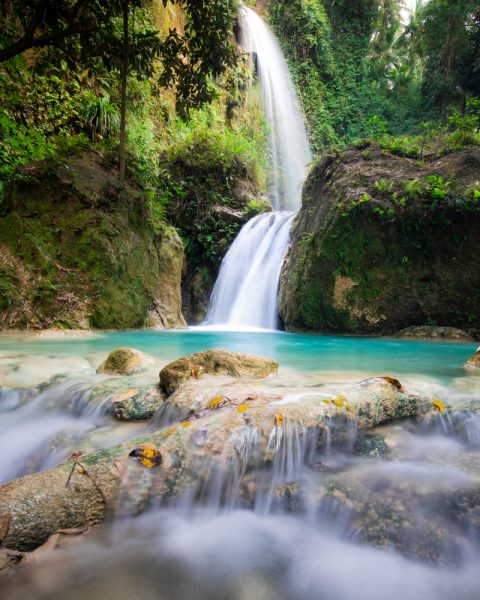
[
  {"x": 137, "y": 404},
  {"x": 474, "y": 360},
  {"x": 214, "y": 362},
  {"x": 434, "y": 333},
  {"x": 384, "y": 243},
  {"x": 125, "y": 361}
]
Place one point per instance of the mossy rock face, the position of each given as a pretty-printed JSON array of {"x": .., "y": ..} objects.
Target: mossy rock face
[
  {"x": 384, "y": 244},
  {"x": 214, "y": 362},
  {"x": 79, "y": 249},
  {"x": 125, "y": 361}
]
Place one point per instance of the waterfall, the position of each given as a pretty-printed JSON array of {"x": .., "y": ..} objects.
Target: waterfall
[{"x": 245, "y": 293}]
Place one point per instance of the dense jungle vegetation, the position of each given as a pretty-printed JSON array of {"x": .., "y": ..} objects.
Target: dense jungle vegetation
[
  {"x": 369, "y": 68},
  {"x": 161, "y": 91}
]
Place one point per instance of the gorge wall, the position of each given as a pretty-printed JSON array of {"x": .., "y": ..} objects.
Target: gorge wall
[{"x": 383, "y": 242}]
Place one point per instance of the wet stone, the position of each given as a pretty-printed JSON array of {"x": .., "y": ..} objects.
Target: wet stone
[{"x": 370, "y": 446}]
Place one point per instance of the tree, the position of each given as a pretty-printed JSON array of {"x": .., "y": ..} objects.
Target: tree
[
  {"x": 449, "y": 33},
  {"x": 40, "y": 23},
  {"x": 101, "y": 29}
]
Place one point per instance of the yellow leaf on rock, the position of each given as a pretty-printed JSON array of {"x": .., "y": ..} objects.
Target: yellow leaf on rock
[
  {"x": 279, "y": 419},
  {"x": 339, "y": 401},
  {"x": 242, "y": 408},
  {"x": 439, "y": 405},
  {"x": 147, "y": 455},
  {"x": 186, "y": 423},
  {"x": 215, "y": 402}
]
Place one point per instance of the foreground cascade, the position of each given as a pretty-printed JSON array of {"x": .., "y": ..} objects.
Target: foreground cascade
[{"x": 223, "y": 431}]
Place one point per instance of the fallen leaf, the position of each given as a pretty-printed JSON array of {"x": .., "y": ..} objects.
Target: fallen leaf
[
  {"x": 279, "y": 419},
  {"x": 440, "y": 406},
  {"x": 125, "y": 396},
  {"x": 186, "y": 423},
  {"x": 393, "y": 382},
  {"x": 242, "y": 408},
  {"x": 147, "y": 455},
  {"x": 169, "y": 431},
  {"x": 218, "y": 402}
]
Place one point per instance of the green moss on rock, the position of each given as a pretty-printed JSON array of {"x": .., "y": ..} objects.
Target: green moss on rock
[
  {"x": 78, "y": 248},
  {"x": 369, "y": 257}
]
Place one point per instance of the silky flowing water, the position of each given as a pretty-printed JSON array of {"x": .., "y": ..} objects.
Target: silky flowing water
[
  {"x": 245, "y": 292},
  {"x": 261, "y": 529}
]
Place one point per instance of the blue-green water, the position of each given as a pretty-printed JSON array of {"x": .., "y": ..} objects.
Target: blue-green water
[{"x": 442, "y": 360}]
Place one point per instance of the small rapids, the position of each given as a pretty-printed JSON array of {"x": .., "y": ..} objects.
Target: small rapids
[
  {"x": 293, "y": 513},
  {"x": 294, "y": 523},
  {"x": 39, "y": 431}
]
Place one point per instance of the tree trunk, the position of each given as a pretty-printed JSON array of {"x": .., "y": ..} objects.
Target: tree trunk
[{"x": 123, "y": 91}]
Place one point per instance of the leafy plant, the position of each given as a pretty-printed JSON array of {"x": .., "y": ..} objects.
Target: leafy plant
[{"x": 101, "y": 116}]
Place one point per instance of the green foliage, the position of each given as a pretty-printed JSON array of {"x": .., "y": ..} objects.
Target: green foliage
[
  {"x": 102, "y": 116},
  {"x": 200, "y": 183},
  {"x": 343, "y": 95},
  {"x": 206, "y": 43}
]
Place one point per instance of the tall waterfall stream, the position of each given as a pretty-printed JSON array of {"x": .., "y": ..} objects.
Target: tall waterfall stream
[{"x": 245, "y": 294}]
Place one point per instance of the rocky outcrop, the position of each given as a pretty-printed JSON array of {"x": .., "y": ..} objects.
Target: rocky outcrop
[
  {"x": 214, "y": 362},
  {"x": 125, "y": 361},
  {"x": 79, "y": 249},
  {"x": 474, "y": 361},
  {"x": 84, "y": 489},
  {"x": 384, "y": 242},
  {"x": 431, "y": 332},
  {"x": 197, "y": 289}
]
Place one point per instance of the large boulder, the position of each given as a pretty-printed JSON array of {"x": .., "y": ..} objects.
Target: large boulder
[
  {"x": 125, "y": 361},
  {"x": 214, "y": 362},
  {"x": 383, "y": 242}
]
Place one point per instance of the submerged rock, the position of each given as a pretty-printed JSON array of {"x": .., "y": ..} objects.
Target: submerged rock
[
  {"x": 474, "y": 360},
  {"x": 371, "y": 446},
  {"x": 125, "y": 361},
  {"x": 434, "y": 333},
  {"x": 214, "y": 362}
]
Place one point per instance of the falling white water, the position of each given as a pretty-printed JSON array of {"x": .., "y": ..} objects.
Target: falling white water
[
  {"x": 246, "y": 289},
  {"x": 245, "y": 293},
  {"x": 290, "y": 151}
]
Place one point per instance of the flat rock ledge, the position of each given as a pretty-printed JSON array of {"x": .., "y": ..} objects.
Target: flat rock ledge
[
  {"x": 430, "y": 332},
  {"x": 214, "y": 362},
  {"x": 107, "y": 483}
]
